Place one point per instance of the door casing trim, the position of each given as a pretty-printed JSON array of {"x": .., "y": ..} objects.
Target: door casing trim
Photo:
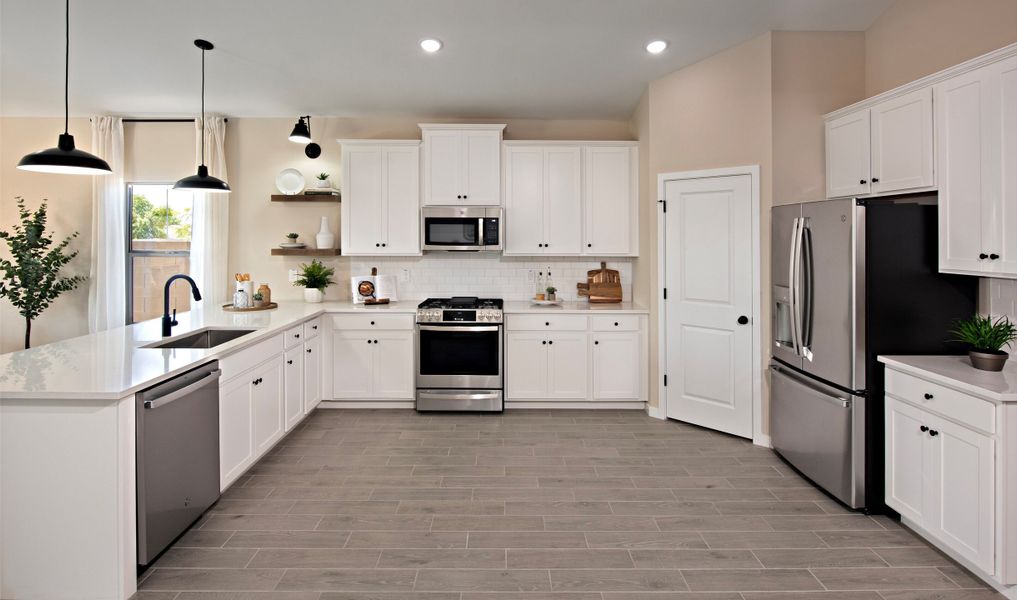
[{"x": 758, "y": 436}]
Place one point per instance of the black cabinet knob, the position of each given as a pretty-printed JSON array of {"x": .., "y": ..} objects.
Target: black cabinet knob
[
  {"x": 315, "y": 327},
  {"x": 384, "y": 245},
  {"x": 308, "y": 350},
  {"x": 377, "y": 245},
  {"x": 933, "y": 432},
  {"x": 368, "y": 341},
  {"x": 460, "y": 196},
  {"x": 375, "y": 341},
  {"x": 993, "y": 256},
  {"x": 743, "y": 320},
  {"x": 547, "y": 323},
  {"x": 465, "y": 196},
  {"x": 875, "y": 180},
  {"x": 544, "y": 343},
  {"x": 595, "y": 342},
  {"x": 589, "y": 245},
  {"x": 289, "y": 362},
  {"x": 983, "y": 256},
  {"x": 616, "y": 323},
  {"x": 928, "y": 396},
  {"x": 549, "y": 342},
  {"x": 862, "y": 181},
  {"x": 923, "y": 428},
  {"x": 372, "y": 322}
]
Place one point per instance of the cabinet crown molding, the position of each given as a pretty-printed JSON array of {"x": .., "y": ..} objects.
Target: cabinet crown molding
[
  {"x": 461, "y": 126},
  {"x": 928, "y": 80},
  {"x": 605, "y": 143},
  {"x": 356, "y": 142}
]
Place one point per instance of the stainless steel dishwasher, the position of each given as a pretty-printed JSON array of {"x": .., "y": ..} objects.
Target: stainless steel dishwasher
[{"x": 178, "y": 456}]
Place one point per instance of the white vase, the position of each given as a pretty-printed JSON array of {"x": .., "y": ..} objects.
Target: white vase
[
  {"x": 324, "y": 238},
  {"x": 313, "y": 295}
]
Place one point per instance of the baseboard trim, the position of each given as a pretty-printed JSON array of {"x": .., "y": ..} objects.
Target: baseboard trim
[
  {"x": 655, "y": 412},
  {"x": 763, "y": 440},
  {"x": 575, "y": 405},
  {"x": 366, "y": 404}
]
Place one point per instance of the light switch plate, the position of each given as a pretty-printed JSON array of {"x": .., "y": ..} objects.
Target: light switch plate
[
  {"x": 404, "y": 275},
  {"x": 293, "y": 275}
]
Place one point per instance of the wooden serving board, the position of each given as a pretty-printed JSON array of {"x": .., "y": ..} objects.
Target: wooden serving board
[
  {"x": 602, "y": 285},
  {"x": 231, "y": 308}
]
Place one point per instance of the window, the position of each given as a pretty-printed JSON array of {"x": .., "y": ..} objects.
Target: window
[{"x": 159, "y": 246}]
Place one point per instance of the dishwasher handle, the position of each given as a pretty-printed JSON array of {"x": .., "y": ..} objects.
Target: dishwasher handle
[{"x": 187, "y": 389}]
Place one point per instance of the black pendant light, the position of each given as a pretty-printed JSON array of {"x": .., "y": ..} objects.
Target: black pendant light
[
  {"x": 65, "y": 158},
  {"x": 301, "y": 133},
  {"x": 202, "y": 182}
]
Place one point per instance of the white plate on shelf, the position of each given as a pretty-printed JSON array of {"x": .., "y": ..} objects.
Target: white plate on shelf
[
  {"x": 293, "y": 245},
  {"x": 536, "y": 302},
  {"x": 290, "y": 181}
]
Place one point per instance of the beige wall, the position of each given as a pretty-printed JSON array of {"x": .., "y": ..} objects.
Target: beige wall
[
  {"x": 158, "y": 152},
  {"x": 914, "y": 38},
  {"x": 70, "y": 209}
]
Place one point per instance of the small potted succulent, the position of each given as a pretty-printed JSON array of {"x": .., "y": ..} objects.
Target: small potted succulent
[
  {"x": 291, "y": 239},
  {"x": 314, "y": 278},
  {"x": 551, "y": 291},
  {"x": 323, "y": 180},
  {"x": 987, "y": 337},
  {"x": 259, "y": 299}
]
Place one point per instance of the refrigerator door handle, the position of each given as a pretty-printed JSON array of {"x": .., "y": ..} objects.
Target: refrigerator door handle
[
  {"x": 804, "y": 302},
  {"x": 796, "y": 341}
]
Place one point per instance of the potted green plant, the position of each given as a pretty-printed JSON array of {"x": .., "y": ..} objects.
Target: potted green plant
[
  {"x": 259, "y": 299},
  {"x": 551, "y": 290},
  {"x": 323, "y": 180},
  {"x": 31, "y": 279},
  {"x": 986, "y": 338},
  {"x": 314, "y": 278},
  {"x": 291, "y": 239}
]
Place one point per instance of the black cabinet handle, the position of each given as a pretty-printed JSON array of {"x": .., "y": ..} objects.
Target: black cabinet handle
[
  {"x": 460, "y": 196},
  {"x": 616, "y": 323},
  {"x": 743, "y": 320},
  {"x": 544, "y": 342},
  {"x": 928, "y": 396},
  {"x": 875, "y": 180},
  {"x": 308, "y": 350},
  {"x": 983, "y": 256},
  {"x": 933, "y": 432},
  {"x": 377, "y": 245},
  {"x": 923, "y": 428},
  {"x": 296, "y": 335},
  {"x": 862, "y": 181},
  {"x": 547, "y": 323},
  {"x": 375, "y": 341},
  {"x": 540, "y": 245},
  {"x": 289, "y": 362},
  {"x": 589, "y": 245},
  {"x": 372, "y": 322},
  {"x": 384, "y": 245},
  {"x": 549, "y": 342},
  {"x": 595, "y": 342},
  {"x": 465, "y": 196},
  {"x": 993, "y": 256},
  {"x": 368, "y": 341}
]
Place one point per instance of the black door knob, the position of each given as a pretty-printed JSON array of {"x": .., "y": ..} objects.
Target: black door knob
[
  {"x": 875, "y": 180},
  {"x": 933, "y": 432},
  {"x": 928, "y": 396},
  {"x": 862, "y": 181},
  {"x": 983, "y": 256},
  {"x": 993, "y": 256},
  {"x": 742, "y": 320},
  {"x": 923, "y": 428}
]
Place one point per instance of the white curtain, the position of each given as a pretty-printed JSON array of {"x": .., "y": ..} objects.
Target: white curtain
[
  {"x": 210, "y": 222},
  {"x": 107, "y": 283}
]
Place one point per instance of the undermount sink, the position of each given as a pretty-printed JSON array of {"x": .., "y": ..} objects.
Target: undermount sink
[{"x": 204, "y": 338}]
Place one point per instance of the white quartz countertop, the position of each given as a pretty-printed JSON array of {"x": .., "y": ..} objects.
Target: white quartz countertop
[
  {"x": 573, "y": 307},
  {"x": 956, "y": 372},
  {"x": 112, "y": 364}
]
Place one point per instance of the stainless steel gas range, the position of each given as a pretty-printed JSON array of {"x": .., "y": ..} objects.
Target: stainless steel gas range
[{"x": 460, "y": 356}]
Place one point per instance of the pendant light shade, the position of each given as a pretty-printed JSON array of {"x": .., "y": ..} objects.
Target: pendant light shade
[
  {"x": 65, "y": 158},
  {"x": 202, "y": 181},
  {"x": 301, "y": 133}
]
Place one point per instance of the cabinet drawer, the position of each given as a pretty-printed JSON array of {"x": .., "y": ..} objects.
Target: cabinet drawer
[
  {"x": 546, "y": 323},
  {"x": 935, "y": 398},
  {"x": 293, "y": 336},
  {"x": 238, "y": 362},
  {"x": 368, "y": 322},
  {"x": 615, "y": 323},
  {"x": 312, "y": 327}
]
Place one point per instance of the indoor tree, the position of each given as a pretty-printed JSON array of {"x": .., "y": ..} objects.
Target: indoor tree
[{"x": 31, "y": 279}]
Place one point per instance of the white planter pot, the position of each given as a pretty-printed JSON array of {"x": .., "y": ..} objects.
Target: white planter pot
[
  {"x": 313, "y": 295},
  {"x": 324, "y": 183}
]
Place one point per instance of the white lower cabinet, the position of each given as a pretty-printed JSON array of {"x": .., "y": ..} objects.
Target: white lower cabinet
[
  {"x": 267, "y": 405},
  {"x": 567, "y": 365},
  {"x": 312, "y": 373},
  {"x": 616, "y": 374},
  {"x": 293, "y": 374},
  {"x": 372, "y": 364},
  {"x": 940, "y": 469},
  {"x": 549, "y": 365},
  {"x": 236, "y": 431}
]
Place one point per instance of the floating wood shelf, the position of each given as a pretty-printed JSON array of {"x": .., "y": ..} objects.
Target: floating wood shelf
[
  {"x": 306, "y": 198},
  {"x": 305, "y": 252}
]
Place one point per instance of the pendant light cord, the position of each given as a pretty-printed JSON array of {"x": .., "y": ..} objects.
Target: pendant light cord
[
  {"x": 67, "y": 58},
  {"x": 202, "y": 106}
]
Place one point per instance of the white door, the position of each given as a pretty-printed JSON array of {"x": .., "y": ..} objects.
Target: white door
[
  {"x": 526, "y": 365},
  {"x": 906, "y": 459},
  {"x": 352, "y": 364},
  {"x": 964, "y": 143},
  {"x": 362, "y": 201},
  {"x": 609, "y": 203},
  {"x": 902, "y": 156},
  {"x": 402, "y": 200},
  {"x": 293, "y": 374},
  {"x": 524, "y": 200},
  {"x": 393, "y": 365},
  {"x": 961, "y": 493},
  {"x": 267, "y": 405},
  {"x": 481, "y": 170},
  {"x": 312, "y": 373},
  {"x": 567, "y": 372},
  {"x": 616, "y": 366},
  {"x": 563, "y": 226},
  {"x": 847, "y": 155},
  {"x": 443, "y": 156},
  {"x": 236, "y": 449},
  {"x": 708, "y": 277}
]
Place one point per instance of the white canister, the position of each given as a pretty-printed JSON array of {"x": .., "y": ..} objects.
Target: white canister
[
  {"x": 247, "y": 287},
  {"x": 313, "y": 295},
  {"x": 324, "y": 238}
]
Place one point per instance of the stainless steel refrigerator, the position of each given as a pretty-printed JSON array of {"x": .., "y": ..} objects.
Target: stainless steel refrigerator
[{"x": 852, "y": 279}]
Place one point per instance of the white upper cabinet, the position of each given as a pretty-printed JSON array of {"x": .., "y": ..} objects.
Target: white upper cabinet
[
  {"x": 381, "y": 197},
  {"x": 976, "y": 135},
  {"x": 611, "y": 200},
  {"x": 461, "y": 165},
  {"x": 902, "y": 143},
  {"x": 567, "y": 199},
  {"x": 847, "y": 155}
]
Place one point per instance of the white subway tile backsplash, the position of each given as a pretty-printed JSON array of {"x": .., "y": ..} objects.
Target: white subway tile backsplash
[{"x": 488, "y": 275}]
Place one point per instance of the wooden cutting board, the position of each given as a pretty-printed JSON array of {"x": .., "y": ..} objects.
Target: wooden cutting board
[{"x": 602, "y": 285}]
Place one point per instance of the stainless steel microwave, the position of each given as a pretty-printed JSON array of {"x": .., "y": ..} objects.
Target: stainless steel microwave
[{"x": 462, "y": 228}]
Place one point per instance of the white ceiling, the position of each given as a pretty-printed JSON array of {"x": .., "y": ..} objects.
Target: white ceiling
[{"x": 502, "y": 58}]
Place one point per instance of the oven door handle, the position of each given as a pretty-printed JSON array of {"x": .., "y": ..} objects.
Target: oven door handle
[
  {"x": 454, "y": 395},
  {"x": 450, "y": 327}
]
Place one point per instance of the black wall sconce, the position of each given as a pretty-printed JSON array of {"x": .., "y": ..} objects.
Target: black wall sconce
[{"x": 301, "y": 134}]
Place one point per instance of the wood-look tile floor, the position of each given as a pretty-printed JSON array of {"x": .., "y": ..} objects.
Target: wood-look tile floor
[{"x": 537, "y": 505}]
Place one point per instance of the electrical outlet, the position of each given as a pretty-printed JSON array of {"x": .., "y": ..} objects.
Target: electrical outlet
[
  {"x": 404, "y": 275},
  {"x": 292, "y": 275},
  {"x": 531, "y": 276}
]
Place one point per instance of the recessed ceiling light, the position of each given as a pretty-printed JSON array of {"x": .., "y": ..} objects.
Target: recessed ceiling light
[
  {"x": 430, "y": 45},
  {"x": 656, "y": 46}
]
